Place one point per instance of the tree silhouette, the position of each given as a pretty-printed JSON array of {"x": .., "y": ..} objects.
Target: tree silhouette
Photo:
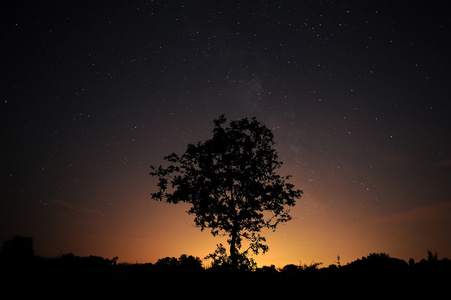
[
  {"x": 18, "y": 250},
  {"x": 231, "y": 184}
]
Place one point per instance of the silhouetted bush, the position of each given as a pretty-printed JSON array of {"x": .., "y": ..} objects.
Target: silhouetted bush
[
  {"x": 17, "y": 251},
  {"x": 291, "y": 268},
  {"x": 377, "y": 262},
  {"x": 167, "y": 262},
  {"x": 268, "y": 269},
  {"x": 190, "y": 262},
  {"x": 223, "y": 262},
  {"x": 185, "y": 262},
  {"x": 432, "y": 272}
]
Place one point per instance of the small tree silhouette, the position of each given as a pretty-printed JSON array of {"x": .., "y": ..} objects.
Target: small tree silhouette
[
  {"x": 231, "y": 184},
  {"x": 222, "y": 261},
  {"x": 18, "y": 250}
]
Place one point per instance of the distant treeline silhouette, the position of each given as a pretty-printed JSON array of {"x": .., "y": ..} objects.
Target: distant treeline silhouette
[
  {"x": 377, "y": 272},
  {"x": 19, "y": 252}
]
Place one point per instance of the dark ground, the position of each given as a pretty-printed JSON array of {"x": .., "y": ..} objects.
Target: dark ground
[
  {"x": 24, "y": 275},
  {"x": 147, "y": 281}
]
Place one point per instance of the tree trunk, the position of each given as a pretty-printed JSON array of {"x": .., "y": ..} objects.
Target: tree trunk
[{"x": 233, "y": 251}]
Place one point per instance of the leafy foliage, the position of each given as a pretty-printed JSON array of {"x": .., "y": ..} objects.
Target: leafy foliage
[
  {"x": 231, "y": 183},
  {"x": 222, "y": 261}
]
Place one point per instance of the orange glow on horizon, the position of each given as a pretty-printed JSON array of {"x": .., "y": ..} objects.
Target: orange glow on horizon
[
  {"x": 138, "y": 229},
  {"x": 155, "y": 230}
]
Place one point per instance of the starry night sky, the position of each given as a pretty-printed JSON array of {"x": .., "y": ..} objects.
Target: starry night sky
[{"x": 357, "y": 94}]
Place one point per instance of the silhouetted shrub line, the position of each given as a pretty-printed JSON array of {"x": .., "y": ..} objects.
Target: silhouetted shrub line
[{"x": 19, "y": 264}]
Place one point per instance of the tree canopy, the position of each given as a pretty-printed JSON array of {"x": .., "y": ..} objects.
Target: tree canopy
[{"x": 231, "y": 183}]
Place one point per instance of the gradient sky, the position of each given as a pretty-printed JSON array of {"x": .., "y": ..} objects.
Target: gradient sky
[{"x": 357, "y": 94}]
